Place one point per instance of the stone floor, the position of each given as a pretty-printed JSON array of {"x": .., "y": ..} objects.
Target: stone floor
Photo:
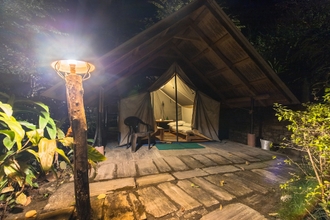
[{"x": 221, "y": 181}]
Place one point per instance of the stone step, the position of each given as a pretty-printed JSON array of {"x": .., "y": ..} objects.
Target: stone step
[
  {"x": 236, "y": 211},
  {"x": 155, "y": 202},
  {"x": 214, "y": 190},
  {"x": 197, "y": 193},
  {"x": 179, "y": 196}
]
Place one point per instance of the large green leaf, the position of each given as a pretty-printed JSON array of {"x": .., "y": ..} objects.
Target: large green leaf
[
  {"x": 95, "y": 155},
  {"x": 42, "y": 105},
  {"x": 15, "y": 126},
  {"x": 6, "y": 108},
  {"x": 46, "y": 153},
  {"x": 9, "y": 140},
  {"x": 51, "y": 128},
  {"x": 43, "y": 119},
  {"x": 35, "y": 136},
  {"x": 67, "y": 141},
  {"x": 12, "y": 171},
  {"x": 28, "y": 125},
  {"x": 60, "y": 133},
  {"x": 61, "y": 152}
]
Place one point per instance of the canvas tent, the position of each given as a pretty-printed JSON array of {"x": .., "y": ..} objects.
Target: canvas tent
[{"x": 179, "y": 89}]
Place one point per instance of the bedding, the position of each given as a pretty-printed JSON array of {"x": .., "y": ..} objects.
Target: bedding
[{"x": 184, "y": 128}]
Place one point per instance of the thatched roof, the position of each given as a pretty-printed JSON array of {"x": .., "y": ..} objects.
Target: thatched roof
[{"x": 208, "y": 47}]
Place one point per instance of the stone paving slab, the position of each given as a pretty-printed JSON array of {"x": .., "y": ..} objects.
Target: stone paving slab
[
  {"x": 105, "y": 171},
  {"x": 264, "y": 204},
  {"x": 137, "y": 207},
  {"x": 189, "y": 174},
  {"x": 155, "y": 202},
  {"x": 233, "y": 158},
  {"x": 116, "y": 207},
  {"x": 246, "y": 157},
  {"x": 261, "y": 154},
  {"x": 191, "y": 162},
  {"x": 230, "y": 184},
  {"x": 126, "y": 169},
  {"x": 256, "y": 178},
  {"x": 269, "y": 175},
  {"x": 218, "y": 159},
  {"x": 204, "y": 160},
  {"x": 244, "y": 181},
  {"x": 214, "y": 190},
  {"x": 236, "y": 211},
  {"x": 221, "y": 169},
  {"x": 153, "y": 179},
  {"x": 64, "y": 197},
  {"x": 250, "y": 166},
  {"x": 176, "y": 163},
  {"x": 164, "y": 194},
  {"x": 162, "y": 165},
  {"x": 185, "y": 201},
  {"x": 197, "y": 193},
  {"x": 97, "y": 188},
  {"x": 146, "y": 167}
]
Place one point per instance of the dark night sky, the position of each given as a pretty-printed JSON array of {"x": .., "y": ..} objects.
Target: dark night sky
[
  {"x": 105, "y": 25},
  {"x": 102, "y": 26}
]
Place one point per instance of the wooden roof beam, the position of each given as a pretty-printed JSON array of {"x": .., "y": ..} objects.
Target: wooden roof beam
[
  {"x": 247, "y": 99},
  {"x": 223, "y": 99},
  {"x": 149, "y": 47},
  {"x": 221, "y": 55},
  {"x": 185, "y": 38},
  {"x": 216, "y": 72},
  {"x": 250, "y": 50}
]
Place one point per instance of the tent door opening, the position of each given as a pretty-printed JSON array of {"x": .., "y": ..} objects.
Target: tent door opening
[{"x": 173, "y": 108}]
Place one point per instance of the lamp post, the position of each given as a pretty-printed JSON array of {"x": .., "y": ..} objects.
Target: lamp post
[{"x": 74, "y": 72}]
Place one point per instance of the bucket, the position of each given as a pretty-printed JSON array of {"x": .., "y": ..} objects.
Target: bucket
[{"x": 265, "y": 145}]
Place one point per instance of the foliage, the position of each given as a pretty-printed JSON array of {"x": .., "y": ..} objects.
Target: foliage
[
  {"x": 25, "y": 143},
  {"x": 164, "y": 8},
  {"x": 21, "y": 22},
  {"x": 296, "y": 45},
  {"x": 311, "y": 134}
]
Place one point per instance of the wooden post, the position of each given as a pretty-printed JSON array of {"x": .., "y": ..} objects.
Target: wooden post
[{"x": 77, "y": 117}]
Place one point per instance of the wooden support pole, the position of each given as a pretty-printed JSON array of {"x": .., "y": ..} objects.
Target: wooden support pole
[{"x": 78, "y": 123}]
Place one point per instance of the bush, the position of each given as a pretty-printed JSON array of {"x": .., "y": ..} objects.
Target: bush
[
  {"x": 311, "y": 134},
  {"x": 28, "y": 146}
]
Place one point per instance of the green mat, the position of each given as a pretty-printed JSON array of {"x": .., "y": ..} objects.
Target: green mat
[{"x": 178, "y": 146}]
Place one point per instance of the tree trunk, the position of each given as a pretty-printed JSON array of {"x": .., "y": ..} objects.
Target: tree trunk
[{"x": 79, "y": 129}]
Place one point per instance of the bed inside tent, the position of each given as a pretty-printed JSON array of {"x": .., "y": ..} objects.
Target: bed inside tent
[{"x": 178, "y": 111}]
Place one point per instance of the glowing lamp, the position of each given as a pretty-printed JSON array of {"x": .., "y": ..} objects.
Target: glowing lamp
[{"x": 66, "y": 67}]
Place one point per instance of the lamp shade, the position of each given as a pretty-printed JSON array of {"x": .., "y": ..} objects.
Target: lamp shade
[{"x": 81, "y": 67}]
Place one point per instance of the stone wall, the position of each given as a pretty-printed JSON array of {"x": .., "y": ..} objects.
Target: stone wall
[{"x": 235, "y": 124}]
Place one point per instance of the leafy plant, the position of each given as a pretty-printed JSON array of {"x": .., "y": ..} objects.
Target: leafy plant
[
  {"x": 310, "y": 129},
  {"x": 24, "y": 142}
]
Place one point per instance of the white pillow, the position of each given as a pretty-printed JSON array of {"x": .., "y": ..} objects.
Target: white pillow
[
  {"x": 180, "y": 123},
  {"x": 186, "y": 124}
]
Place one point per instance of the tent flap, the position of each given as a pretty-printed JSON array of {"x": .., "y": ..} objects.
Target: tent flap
[
  {"x": 136, "y": 105},
  {"x": 206, "y": 116}
]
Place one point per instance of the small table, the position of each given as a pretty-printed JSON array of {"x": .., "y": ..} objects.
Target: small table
[
  {"x": 163, "y": 124},
  {"x": 161, "y": 133}
]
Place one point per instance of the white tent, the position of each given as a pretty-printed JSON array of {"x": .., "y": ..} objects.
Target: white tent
[{"x": 182, "y": 100}]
